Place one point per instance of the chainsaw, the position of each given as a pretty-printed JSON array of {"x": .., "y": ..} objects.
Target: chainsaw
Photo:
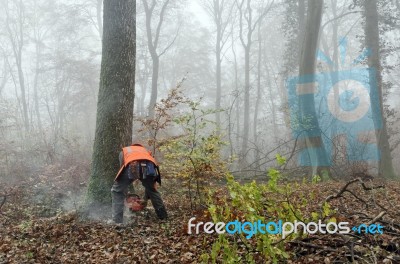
[{"x": 134, "y": 203}]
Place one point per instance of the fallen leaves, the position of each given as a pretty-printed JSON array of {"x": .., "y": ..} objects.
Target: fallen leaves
[
  {"x": 25, "y": 237},
  {"x": 66, "y": 239}
]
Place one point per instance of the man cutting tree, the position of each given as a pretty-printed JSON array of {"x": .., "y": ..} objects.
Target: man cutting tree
[{"x": 136, "y": 163}]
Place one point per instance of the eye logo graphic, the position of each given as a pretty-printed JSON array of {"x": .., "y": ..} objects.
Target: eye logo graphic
[
  {"x": 353, "y": 108},
  {"x": 346, "y": 103}
]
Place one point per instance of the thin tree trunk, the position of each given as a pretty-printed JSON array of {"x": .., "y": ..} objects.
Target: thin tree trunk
[
  {"x": 273, "y": 107},
  {"x": 143, "y": 82},
  {"x": 21, "y": 79},
  {"x": 154, "y": 85},
  {"x": 98, "y": 16},
  {"x": 152, "y": 44},
  {"x": 334, "y": 71},
  {"x": 258, "y": 98},
  {"x": 237, "y": 104},
  {"x": 220, "y": 11},
  {"x": 246, "y": 116},
  {"x": 5, "y": 76},
  {"x": 218, "y": 77},
  {"x": 246, "y": 14},
  {"x": 35, "y": 86}
]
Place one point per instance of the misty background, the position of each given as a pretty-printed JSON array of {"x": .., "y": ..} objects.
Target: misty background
[{"x": 235, "y": 56}]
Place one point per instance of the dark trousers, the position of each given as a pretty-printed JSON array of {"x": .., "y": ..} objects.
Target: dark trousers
[{"x": 120, "y": 189}]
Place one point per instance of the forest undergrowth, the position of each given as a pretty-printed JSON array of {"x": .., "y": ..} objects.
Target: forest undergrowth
[{"x": 37, "y": 227}]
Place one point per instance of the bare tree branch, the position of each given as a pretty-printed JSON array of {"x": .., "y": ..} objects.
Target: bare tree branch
[
  {"x": 262, "y": 15},
  {"x": 338, "y": 17},
  {"x": 160, "y": 22},
  {"x": 171, "y": 43}
]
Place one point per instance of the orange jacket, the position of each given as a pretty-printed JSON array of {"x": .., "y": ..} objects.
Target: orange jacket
[{"x": 132, "y": 153}]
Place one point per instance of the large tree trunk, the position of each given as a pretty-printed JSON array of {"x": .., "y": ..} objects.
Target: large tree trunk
[
  {"x": 292, "y": 51},
  {"x": 372, "y": 42},
  {"x": 335, "y": 76},
  {"x": 301, "y": 11},
  {"x": 116, "y": 96},
  {"x": 308, "y": 117}
]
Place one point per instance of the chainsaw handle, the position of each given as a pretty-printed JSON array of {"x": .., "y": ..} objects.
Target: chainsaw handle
[{"x": 133, "y": 195}]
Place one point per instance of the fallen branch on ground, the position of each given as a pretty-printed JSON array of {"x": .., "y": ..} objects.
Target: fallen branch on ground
[
  {"x": 344, "y": 189},
  {"x": 3, "y": 202}
]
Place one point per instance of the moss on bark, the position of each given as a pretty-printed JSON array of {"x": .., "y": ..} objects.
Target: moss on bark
[{"x": 116, "y": 97}]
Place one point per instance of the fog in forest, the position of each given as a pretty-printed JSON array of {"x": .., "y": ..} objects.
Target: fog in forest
[
  {"x": 228, "y": 95},
  {"x": 51, "y": 54}
]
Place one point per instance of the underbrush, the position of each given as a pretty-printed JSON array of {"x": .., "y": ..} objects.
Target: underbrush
[
  {"x": 358, "y": 203},
  {"x": 39, "y": 229}
]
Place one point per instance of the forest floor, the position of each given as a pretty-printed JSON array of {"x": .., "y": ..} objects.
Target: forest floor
[{"x": 34, "y": 228}]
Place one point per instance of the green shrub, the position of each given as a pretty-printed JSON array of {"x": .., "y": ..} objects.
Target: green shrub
[{"x": 252, "y": 202}]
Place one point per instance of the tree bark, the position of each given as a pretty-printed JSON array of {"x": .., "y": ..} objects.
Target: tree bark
[
  {"x": 308, "y": 117},
  {"x": 293, "y": 50},
  {"x": 372, "y": 42},
  {"x": 152, "y": 43},
  {"x": 116, "y": 96},
  {"x": 301, "y": 11}
]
